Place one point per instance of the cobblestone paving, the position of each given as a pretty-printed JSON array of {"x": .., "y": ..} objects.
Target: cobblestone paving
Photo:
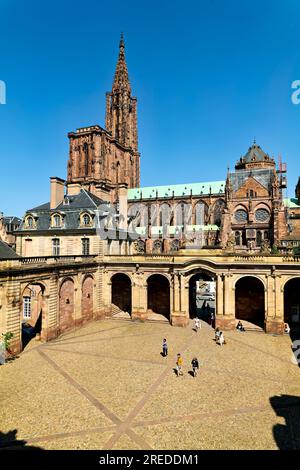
[{"x": 106, "y": 386}]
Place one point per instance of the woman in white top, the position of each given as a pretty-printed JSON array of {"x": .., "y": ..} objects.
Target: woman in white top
[
  {"x": 221, "y": 339},
  {"x": 197, "y": 324}
]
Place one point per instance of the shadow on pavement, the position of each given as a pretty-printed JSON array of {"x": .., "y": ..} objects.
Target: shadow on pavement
[
  {"x": 9, "y": 441},
  {"x": 287, "y": 436}
]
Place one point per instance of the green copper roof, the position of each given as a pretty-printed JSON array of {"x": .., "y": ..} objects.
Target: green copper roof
[
  {"x": 292, "y": 202},
  {"x": 194, "y": 189}
]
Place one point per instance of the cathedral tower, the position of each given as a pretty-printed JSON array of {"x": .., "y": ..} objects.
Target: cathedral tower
[
  {"x": 121, "y": 109},
  {"x": 103, "y": 160}
]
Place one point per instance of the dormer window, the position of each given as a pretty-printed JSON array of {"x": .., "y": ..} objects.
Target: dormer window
[
  {"x": 30, "y": 222},
  {"x": 56, "y": 221},
  {"x": 86, "y": 220}
]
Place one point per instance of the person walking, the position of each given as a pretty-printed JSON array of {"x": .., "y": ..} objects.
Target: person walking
[
  {"x": 165, "y": 347},
  {"x": 195, "y": 366},
  {"x": 179, "y": 364},
  {"x": 197, "y": 324},
  {"x": 221, "y": 339},
  {"x": 212, "y": 319}
]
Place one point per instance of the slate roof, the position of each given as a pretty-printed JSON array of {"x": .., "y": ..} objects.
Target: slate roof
[
  {"x": 196, "y": 189},
  {"x": 12, "y": 220},
  {"x": 264, "y": 176},
  {"x": 6, "y": 252},
  {"x": 70, "y": 208},
  {"x": 255, "y": 153}
]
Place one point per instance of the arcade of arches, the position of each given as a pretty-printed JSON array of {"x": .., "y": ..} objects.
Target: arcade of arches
[{"x": 48, "y": 305}]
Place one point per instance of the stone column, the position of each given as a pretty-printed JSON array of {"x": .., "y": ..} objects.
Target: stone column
[
  {"x": 45, "y": 317},
  {"x": 107, "y": 284},
  {"x": 180, "y": 317},
  {"x": 219, "y": 295},
  {"x": 139, "y": 297},
  {"x": 77, "y": 300},
  {"x": 274, "y": 321},
  {"x": 226, "y": 321},
  {"x": 14, "y": 315},
  {"x": 53, "y": 309}
]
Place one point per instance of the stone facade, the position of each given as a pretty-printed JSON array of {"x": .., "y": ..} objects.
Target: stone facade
[
  {"x": 77, "y": 259},
  {"x": 65, "y": 294}
]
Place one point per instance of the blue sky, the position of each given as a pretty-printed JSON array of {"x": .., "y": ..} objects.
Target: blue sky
[{"x": 209, "y": 75}]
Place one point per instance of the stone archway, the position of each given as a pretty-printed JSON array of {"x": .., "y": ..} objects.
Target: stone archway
[
  {"x": 202, "y": 293},
  {"x": 66, "y": 305},
  {"x": 292, "y": 303},
  {"x": 87, "y": 307},
  {"x": 158, "y": 295},
  {"x": 33, "y": 312},
  {"x": 250, "y": 300},
  {"x": 121, "y": 297}
]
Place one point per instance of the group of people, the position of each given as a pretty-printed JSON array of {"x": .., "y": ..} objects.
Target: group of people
[
  {"x": 179, "y": 361},
  {"x": 219, "y": 338},
  {"x": 179, "y": 364}
]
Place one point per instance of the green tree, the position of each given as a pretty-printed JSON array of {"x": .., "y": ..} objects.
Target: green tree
[{"x": 6, "y": 339}]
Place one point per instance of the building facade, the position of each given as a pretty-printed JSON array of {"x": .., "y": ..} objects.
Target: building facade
[{"x": 104, "y": 245}]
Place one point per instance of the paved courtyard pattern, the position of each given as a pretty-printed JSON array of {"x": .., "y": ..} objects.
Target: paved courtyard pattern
[{"x": 106, "y": 386}]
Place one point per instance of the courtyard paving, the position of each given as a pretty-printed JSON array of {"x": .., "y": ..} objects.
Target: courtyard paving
[{"x": 106, "y": 386}]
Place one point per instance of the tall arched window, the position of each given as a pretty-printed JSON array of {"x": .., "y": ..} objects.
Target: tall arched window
[
  {"x": 30, "y": 222},
  {"x": 258, "y": 238},
  {"x": 237, "y": 238},
  {"x": 86, "y": 219},
  {"x": 57, "y": 220},
  {"x": 218, "y": 211}
]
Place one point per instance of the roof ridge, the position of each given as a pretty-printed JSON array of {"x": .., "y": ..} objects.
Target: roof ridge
[{"x": 86, "y": 192}]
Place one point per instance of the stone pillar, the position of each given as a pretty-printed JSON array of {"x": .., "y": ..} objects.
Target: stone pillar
[
  {"x": 107, "y": 285},
  {"x": 139, "y": 297},
  {"x": 274, "y": 321},
  {"x": 52, "y": 329},
  {"x": 226, "y": 320},
  {"x": 14, "y": 315},
  {"x": 219, "y": 295},
  {"x": 78, "y": 320},
  {"x": 45, "y": 316},
  {"x": 180, "y": 312}
]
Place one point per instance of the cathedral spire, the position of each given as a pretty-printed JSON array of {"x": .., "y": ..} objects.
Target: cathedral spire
[
  {"x": 121, "y": 79},
  {"x": 121, "y": 107}
]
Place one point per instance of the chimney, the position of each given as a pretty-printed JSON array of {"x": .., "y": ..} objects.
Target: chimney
[
  {"x": 73, "y": 189},
  {"x": 57, "y": 190}
]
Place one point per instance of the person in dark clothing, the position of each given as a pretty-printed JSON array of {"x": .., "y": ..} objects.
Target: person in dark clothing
[
  {"x": 239, "y": 326},
  {"x": 195, "y": 366},
  {"x": 165, "y": 347}
]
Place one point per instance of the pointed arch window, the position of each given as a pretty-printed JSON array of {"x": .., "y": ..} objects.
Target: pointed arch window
[{"x": 237, "y": 238}]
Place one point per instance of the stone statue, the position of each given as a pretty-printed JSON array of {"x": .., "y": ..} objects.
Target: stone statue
[
  {"x": 230, "y": 242},
  {"x": 265, "y": 247}
]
